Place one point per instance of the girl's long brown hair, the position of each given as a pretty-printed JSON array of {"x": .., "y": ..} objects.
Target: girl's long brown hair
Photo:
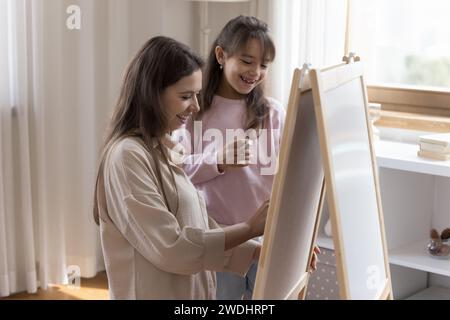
[
  {"x": 160, "y": 63},
  {"x": 233, "y": 38}
]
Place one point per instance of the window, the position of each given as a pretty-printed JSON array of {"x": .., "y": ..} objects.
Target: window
[{"x": 402, "y": 42}]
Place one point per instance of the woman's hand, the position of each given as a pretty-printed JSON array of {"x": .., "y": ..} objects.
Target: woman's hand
[
  {"x": 235, "y": 155},
  {"x": 313, "y": 265},
  {"x": 243, "y": 231}
]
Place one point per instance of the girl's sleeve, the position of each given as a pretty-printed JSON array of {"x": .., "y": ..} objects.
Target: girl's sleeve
[
  {"x": 199, "y": 167},
  {"x": 138, "y": 210},
  {"x": 279, "y": 118}
]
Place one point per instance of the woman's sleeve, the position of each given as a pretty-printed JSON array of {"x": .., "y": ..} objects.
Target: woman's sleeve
[
  {"x": 138, "y": 210},
  {"x": 238, "y": 259}
]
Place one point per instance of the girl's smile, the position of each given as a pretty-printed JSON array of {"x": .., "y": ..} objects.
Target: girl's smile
[{"x": 248, "y": 81}]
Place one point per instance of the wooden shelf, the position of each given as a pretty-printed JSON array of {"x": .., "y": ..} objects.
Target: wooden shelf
[
  {"x": 403, "y": 156},
  {"x": 415, "y": 256}
]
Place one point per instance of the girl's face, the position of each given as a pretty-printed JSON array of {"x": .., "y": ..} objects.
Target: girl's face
[
  {"x": 243, "y": 71},
  {"x": 180, "y": 99}
]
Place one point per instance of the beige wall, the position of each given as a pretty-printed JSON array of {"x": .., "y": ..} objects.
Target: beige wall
[{"x": 172, "y": 18}]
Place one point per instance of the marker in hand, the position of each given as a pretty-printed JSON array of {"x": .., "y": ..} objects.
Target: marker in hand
[{"x": 235, "y": 155}]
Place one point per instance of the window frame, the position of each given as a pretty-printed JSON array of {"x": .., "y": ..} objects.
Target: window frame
[{"x": 411, "y": 108}]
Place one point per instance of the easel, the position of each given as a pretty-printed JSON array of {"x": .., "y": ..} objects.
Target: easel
[
  {"x": 303, "y": 290},
  {"x": 346, "y": 81},
  {"x": 321, "y": 82},
  {"x": 287, "y": 209}
]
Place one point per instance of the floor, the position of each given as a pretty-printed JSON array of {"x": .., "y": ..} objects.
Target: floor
[{"x": 91, "y": 289}]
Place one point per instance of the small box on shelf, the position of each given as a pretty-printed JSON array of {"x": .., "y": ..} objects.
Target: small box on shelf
[{"x": 435, "y": 146}]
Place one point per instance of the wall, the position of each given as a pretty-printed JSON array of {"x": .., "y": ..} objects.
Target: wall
[{"x": 172, "y": 18}]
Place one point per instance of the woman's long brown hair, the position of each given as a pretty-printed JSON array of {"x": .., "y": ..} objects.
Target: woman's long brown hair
[
  {"x": 233, "y": 38},
  {"x": 160, "y": 62}
]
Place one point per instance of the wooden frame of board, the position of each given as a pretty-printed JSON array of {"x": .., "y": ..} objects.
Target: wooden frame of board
[
  {"x": 293, "y": 215},
  {"x": 324, "y": 84}
]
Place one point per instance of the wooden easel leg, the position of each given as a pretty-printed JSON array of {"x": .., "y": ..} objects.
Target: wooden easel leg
[{"x": 302, "y": 293}]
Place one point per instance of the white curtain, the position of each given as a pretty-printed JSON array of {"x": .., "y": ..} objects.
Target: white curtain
[
  {"x": 304, "y": 31},
  {"x": 57, "y": 89}
]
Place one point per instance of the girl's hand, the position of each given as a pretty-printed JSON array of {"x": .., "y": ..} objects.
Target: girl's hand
[
  {"x": 257, "y": 253},
  {"x": 313, "y": 265},
  {"x": 257, "y": 222},
  {"x": 235, "y": 155}
]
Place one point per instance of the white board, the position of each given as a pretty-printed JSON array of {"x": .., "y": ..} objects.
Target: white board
[
  {"x": 352, "y": 182},
  {"x": 295, "y": 203}
]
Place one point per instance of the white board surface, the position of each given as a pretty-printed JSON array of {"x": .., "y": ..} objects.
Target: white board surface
[{"x": 351, "y": 179}]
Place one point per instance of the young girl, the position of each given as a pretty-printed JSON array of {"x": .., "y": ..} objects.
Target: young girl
[
  {"x": 234, "y": 99},
  {"x": 157, "y": 239}
]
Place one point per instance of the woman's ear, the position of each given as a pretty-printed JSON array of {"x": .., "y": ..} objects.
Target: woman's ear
[{"x": 220, "y": 55}]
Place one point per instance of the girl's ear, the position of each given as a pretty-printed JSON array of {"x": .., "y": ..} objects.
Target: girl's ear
[{"x": 220, "y": 56}]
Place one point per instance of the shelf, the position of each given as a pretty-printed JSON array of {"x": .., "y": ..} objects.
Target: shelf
[
  {"x": 432, "y": 293},
  {"x": 412, "y": 256},
  {"x": 415, "y": 256},
  {"x": 403, "y": 156}
]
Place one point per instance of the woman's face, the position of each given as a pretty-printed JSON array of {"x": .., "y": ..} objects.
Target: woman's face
[
  {"x": 180, "y": 99},
  {"x": 243, "y": 71}
]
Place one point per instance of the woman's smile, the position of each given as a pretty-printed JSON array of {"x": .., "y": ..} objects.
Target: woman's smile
[{"x": 183, "y": 117}]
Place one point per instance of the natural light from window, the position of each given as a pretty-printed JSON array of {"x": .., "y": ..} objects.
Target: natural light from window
[{"x": 402, "y": 42}]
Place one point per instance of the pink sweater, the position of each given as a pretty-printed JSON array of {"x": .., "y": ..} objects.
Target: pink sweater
[{"x": 236, "y": 194}]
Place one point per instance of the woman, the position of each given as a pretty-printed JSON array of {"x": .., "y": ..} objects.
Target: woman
[{"x": 157, "y": 239}]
